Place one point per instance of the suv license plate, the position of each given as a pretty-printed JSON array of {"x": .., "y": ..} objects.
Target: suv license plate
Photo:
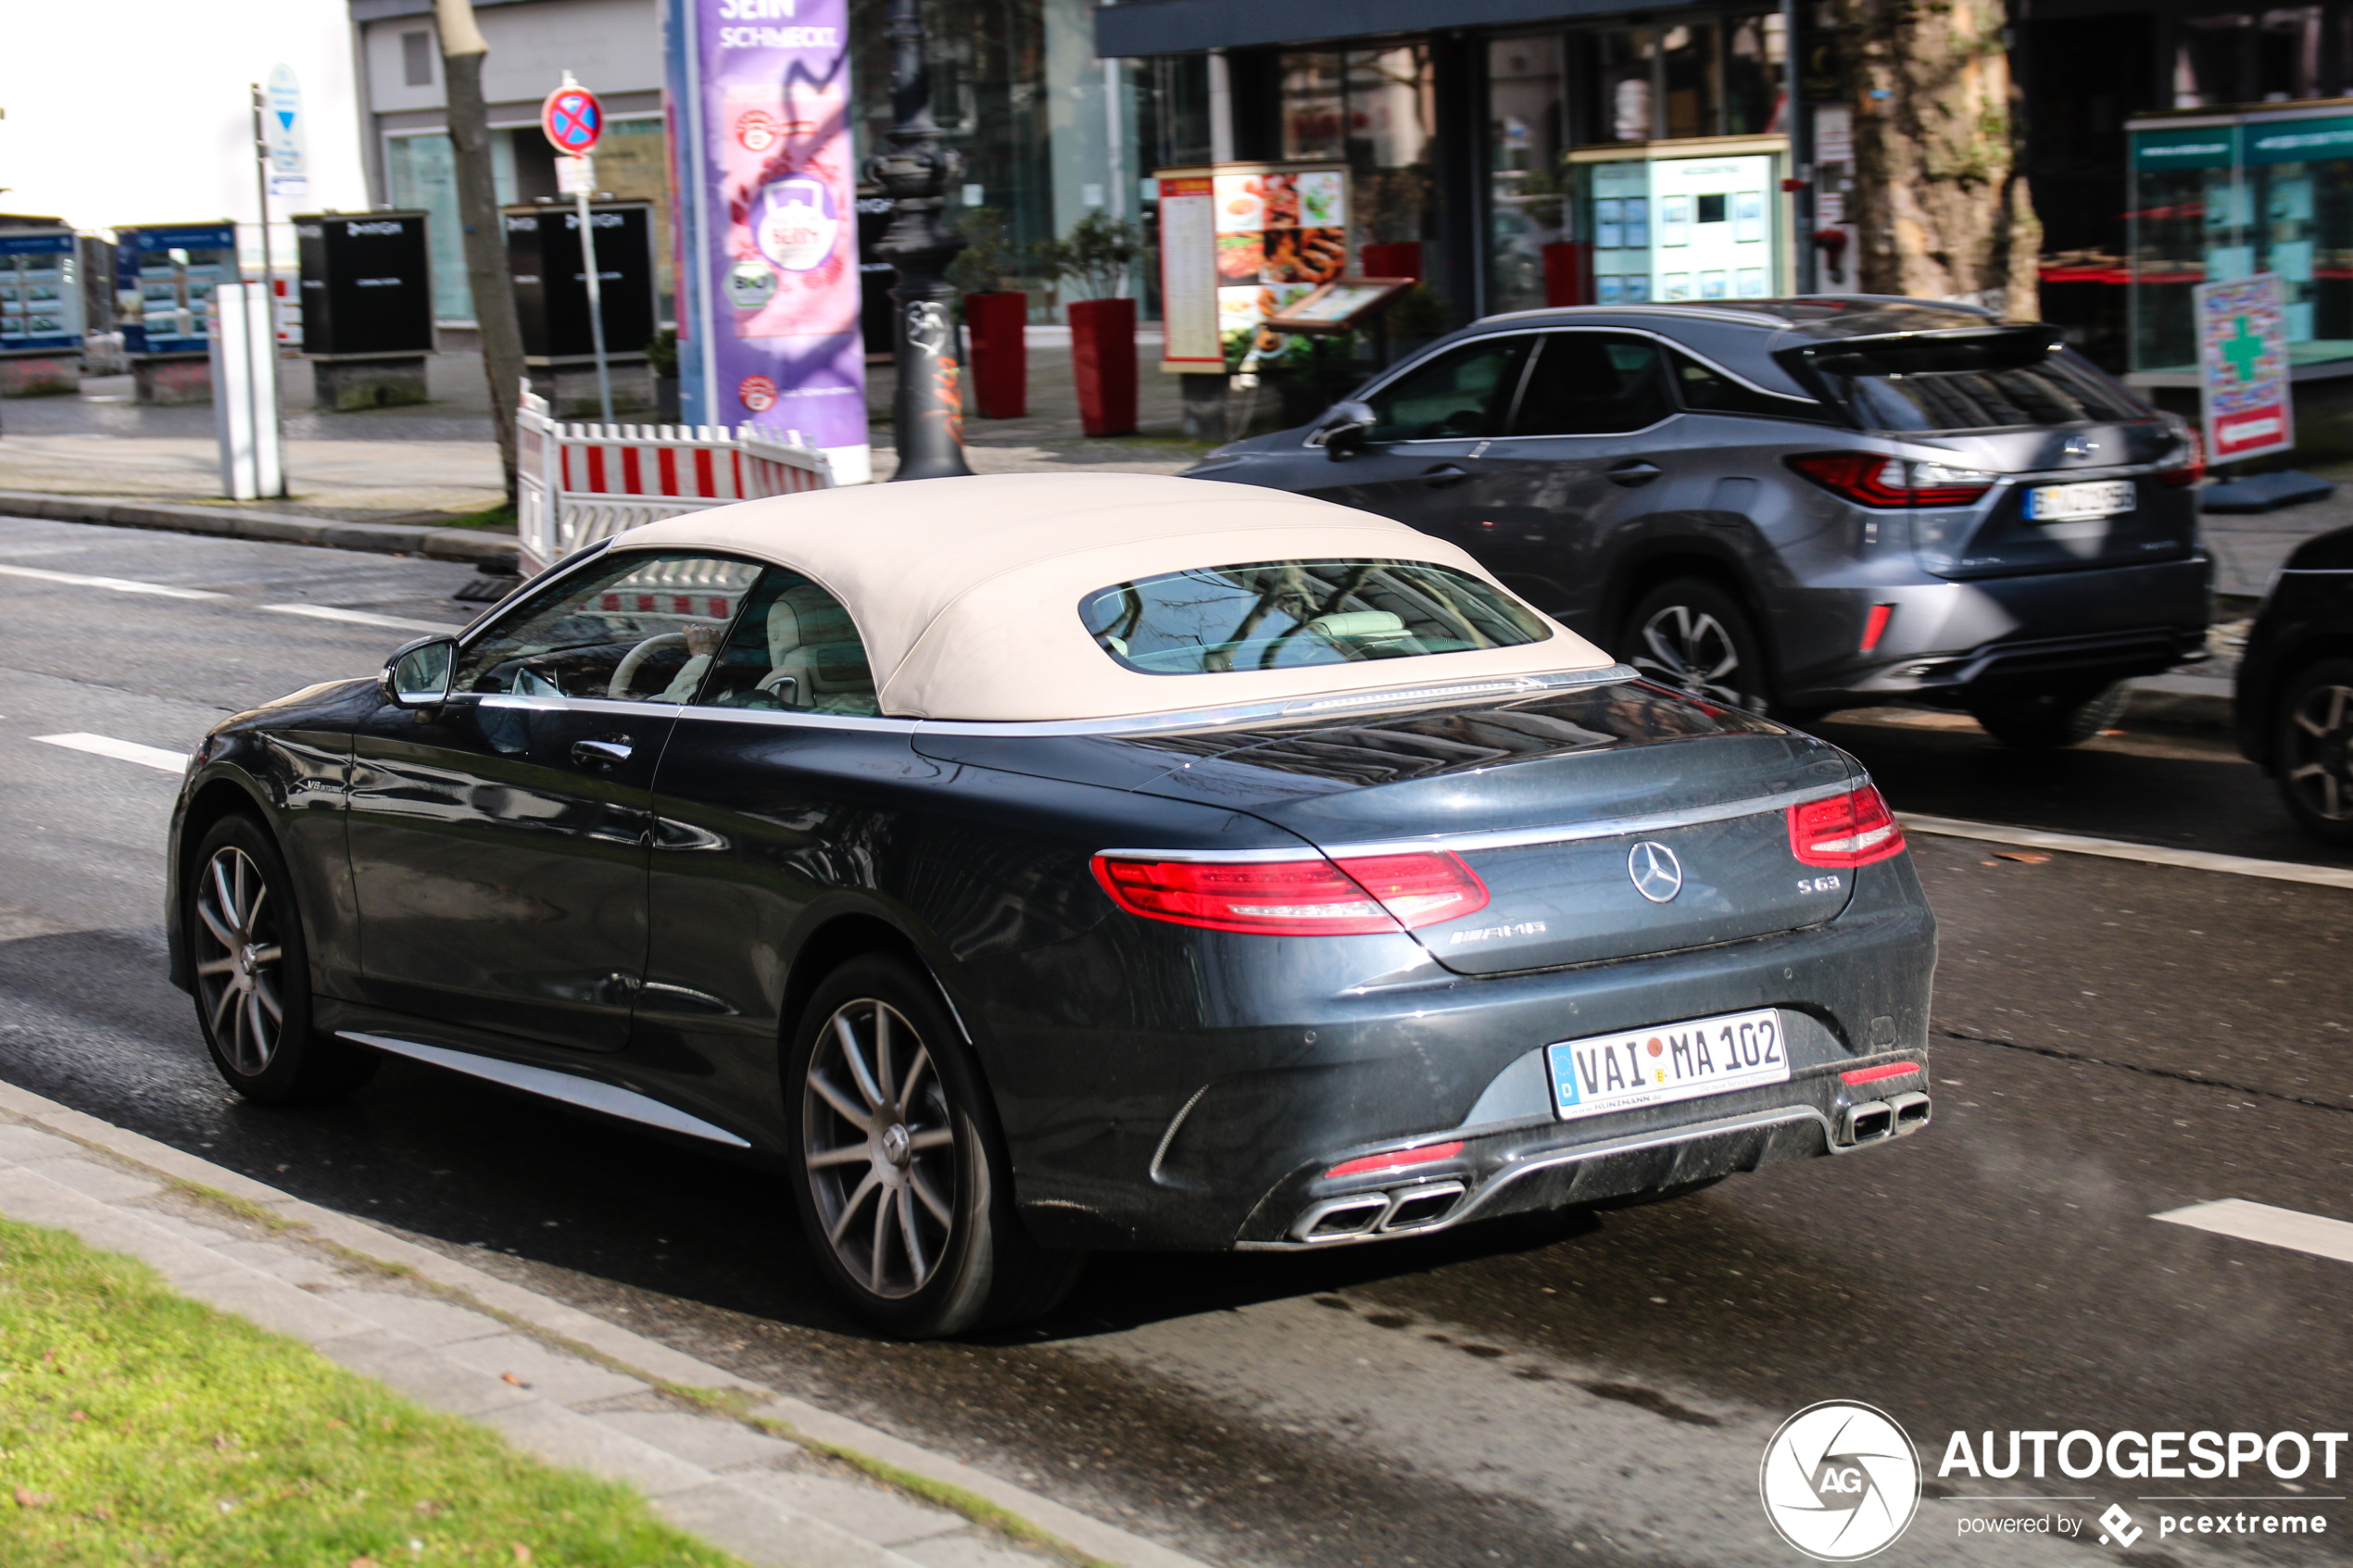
[
  {"x": 2071, "y": 503},
  {"x": 1666, "y": 1062}
]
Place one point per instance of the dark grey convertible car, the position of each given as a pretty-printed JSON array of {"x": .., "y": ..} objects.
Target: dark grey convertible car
[
  {"x": 1794, "y": 504},
  {"x": 1035, "y": 864}
]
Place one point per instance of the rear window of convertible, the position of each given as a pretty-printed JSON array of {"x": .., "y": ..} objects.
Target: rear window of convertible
[{"x": 1285, "y": 614}]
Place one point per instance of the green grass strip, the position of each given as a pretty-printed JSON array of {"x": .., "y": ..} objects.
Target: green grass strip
[{"x": 140, "y": 1429}]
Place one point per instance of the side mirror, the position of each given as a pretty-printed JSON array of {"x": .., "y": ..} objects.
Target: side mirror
[
  {"x": 418, "y": 675},
  {"x": 1342, "y": 432}
]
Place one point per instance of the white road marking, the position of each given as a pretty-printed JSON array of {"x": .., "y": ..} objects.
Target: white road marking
[
  {"x": 2274, "y": 1228},
  {"x": 122, "y": 750},
  {"x": 360, "y": 618},
  {"x": 120, "y": 585},
  {"x": 2119, "y": 849}
]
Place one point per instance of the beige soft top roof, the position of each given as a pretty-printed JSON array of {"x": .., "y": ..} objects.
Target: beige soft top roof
[{"x": 966, "y": 591}]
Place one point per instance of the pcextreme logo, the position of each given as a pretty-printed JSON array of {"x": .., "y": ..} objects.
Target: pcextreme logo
[{"x": 1840, "y": 1481}]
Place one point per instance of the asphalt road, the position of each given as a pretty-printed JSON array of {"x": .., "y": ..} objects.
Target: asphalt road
[{"x": 2114, "y": 1040}]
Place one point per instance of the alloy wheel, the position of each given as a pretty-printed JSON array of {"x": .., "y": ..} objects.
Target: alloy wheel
[
  {"x": 1691, "y": 649},
  {"x": 2319, "y": 766},
  {"x": 879, "y": 1147},
  {"x": 238, "y": 961}
]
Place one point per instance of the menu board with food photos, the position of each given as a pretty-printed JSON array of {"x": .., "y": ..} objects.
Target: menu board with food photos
[{"x": 1277, "y": 231}]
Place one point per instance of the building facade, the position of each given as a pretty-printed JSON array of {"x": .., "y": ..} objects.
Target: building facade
[{"x": 1049, "y": 131}]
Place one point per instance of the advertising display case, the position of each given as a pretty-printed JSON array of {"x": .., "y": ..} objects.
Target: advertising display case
[
  {"x": 1677, "y": 225},
  {"x": 551, "y": 299},
  {"x": 41, "y": 312},
  {"x": 1240, "y": 243},
  {"x": 2217, "y": 198},
  {"x": 367, "y": 305},
  {"x": 165, "y": 277}
]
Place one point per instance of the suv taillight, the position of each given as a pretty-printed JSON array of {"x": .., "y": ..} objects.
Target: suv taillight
[
  {"x": 1873, "y": 479},
  {"x": 2187, "y": 465},
  {"x": 1297, "y": 898},
  {"x": 1846, "y": 830}
]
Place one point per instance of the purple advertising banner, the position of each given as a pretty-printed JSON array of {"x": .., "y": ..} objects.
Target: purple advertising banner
[{"x": 770, "y": 240}]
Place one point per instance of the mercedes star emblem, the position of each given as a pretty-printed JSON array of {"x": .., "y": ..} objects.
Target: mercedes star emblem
[{"x": 1658, "y": 876}]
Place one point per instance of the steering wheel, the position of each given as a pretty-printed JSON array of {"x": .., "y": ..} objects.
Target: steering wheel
[{"x": 624, "y": 675}]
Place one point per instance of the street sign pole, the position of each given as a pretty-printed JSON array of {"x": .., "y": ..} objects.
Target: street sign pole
[
  {"x": 263, "y": 382},
  {"x": 572, "y": 120}
]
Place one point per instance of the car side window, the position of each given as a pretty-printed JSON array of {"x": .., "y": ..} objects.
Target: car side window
[
  {"x": 1709, "y": 392},
  {"x": 634, "y": 627},
  {"x": 793, "y": 650},
  {"x": 1463, "y": 394},
  {"x": 1593, "y": 383}
]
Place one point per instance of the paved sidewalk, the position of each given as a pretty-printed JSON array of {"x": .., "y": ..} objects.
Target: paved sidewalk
[{"x": 768, "y": 1477}]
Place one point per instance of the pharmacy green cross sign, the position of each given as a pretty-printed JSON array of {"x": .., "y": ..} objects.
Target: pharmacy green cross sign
[
  {"x": 2243, "y": 348},
  {"x": 2244, "y": 325}
]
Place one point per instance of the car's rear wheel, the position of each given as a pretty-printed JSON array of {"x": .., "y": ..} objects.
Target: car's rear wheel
[
  {"x": 1694, "y": 637},
  {"x": 902, "y": 1183},
  {"x": 253, "y": 973},
  {"x": 2045, "y": 720},
  {"x": 2313, "y": 748}
]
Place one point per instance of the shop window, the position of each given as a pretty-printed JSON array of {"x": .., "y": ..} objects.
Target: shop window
[
  {"x": 420, "y": 172},
  {"x": 1715, "y": 76},
  {"x": 1527, "y": 194},
  {"x": 2227, "y": 58},
  {"x": 1374, "y": 107}
]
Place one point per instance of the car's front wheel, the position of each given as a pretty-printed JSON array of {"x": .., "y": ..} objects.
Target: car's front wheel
[
  {"x": 2047, "y": 721},
  {"x": 1694, "y": 637},
  {"x": 2313, "y": 748},
  {"x": 901, "y": 1184},
  {"x": 253, "y": 973}
]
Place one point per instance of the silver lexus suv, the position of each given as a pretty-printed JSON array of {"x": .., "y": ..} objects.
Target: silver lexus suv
[{"x": 1795, "y": 504}]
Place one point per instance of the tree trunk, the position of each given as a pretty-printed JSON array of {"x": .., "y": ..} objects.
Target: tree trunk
[
  {"x": 487, "y": 274},
  {"x": 1940, "y": 204}
]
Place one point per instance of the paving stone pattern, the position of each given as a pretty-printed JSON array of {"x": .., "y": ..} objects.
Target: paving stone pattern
[{"x": 322, "y": 1279}]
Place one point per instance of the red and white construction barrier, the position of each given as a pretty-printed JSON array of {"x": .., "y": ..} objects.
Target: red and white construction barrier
[{"x": 579, "y": 483}]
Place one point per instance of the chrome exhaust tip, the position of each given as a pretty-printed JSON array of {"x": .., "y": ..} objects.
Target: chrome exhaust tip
[
  {"x": 1911, "y": 1111},
  {"x": 1412, "y": 1209},
  {"x": 1339, "y": 1217},
  {"x": 1867, "y": 1121}
]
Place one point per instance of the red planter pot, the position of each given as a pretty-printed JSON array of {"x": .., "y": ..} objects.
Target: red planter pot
[
  {"x": 1102, "y": 355},
  {"x": 1001, "y": 354}
]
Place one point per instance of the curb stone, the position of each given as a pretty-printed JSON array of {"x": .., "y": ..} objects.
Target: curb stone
[
  {"x": 637, "y": 1410},
  {"x": 386, "y": 538}
]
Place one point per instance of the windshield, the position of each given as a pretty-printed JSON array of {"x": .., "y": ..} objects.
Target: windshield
[
  {"x": 1982, "y": 382},
  {"x": 1284, "y": 614}
]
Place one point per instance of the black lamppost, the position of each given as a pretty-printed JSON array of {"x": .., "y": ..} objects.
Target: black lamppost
[{"x": 928, "y": 413}]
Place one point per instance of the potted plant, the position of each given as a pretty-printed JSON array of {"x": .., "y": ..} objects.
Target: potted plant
[
  {"x": 661, "y": 358},
  {"x": 994, "y": 314},
  {"x": 1095, "y": 257}
]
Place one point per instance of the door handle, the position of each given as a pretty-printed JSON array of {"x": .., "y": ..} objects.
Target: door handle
[
  {"x": 600, "y": 753},
  {"x": 1444, "y": 475},
  {"x": 1632, "y": 474}
]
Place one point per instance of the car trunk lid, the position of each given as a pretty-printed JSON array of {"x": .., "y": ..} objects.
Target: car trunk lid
[{"x": 1606, "y": 820}]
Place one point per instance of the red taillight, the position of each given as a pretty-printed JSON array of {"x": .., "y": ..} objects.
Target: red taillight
[
  {"x": 2192, "y": 467},
  {"x": 1874, "y": 1074},
  {"x": 1298, "y": 897},
  {"x": 1846, "y": 830},
  {"x": 1872, "y": 479},
  {"x": 1875, "y": 627},
  {"x": 1429, "y": 1154}
]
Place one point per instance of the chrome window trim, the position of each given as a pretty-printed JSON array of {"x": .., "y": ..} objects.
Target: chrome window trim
[
  {"x": 1419, "y": 694},
  {"x": 1374, "y": 387},
  {"x": 1511, "y": 838}
]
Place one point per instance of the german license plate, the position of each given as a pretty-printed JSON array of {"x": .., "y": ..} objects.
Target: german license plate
[
  {"x": 1666, "y": 1062},
  {"x": 2071, "y": 503}
]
